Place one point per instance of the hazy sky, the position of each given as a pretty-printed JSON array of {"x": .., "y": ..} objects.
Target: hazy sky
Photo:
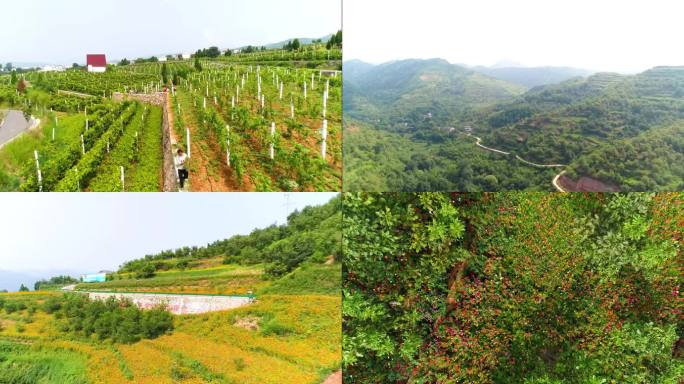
[
  {"x": 622, "y": 36},
  {"x": 64, "y": 31},
  {"x": 93, "y": 231}
]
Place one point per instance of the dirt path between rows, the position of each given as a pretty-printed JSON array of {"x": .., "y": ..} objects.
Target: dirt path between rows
[
  {"x": 335, "y": 378},
  {"x": 200, "y": 156},
  {"x": 73, "y": 93},
  {"x": 172, "y": 129}
]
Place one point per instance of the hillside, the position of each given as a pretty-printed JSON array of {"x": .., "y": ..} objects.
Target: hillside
[
  {"x": 545, "y": 127},
  {"x": 120, "y": 130},
  {"x": 290, "y": 333},
  {"x": 302, "y": 40},
  {"x": 531, "y": 77},
  {"x": 417, "y": 87}
]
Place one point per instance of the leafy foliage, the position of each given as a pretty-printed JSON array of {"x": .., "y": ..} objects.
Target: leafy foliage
[
  {"x": 118, "y": 320},
  {"x": 513, "y": 288},
  {"x": 310, "y": 235},
  {"x": 55, "y": 281}
]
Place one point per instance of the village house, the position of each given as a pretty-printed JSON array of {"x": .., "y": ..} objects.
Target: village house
[{"x": 96, "y": 62}]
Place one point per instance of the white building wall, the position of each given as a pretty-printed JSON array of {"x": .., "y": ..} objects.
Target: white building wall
[{"x": 96, "y": 69}]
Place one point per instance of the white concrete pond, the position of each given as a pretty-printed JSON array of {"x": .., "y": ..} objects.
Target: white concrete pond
[{"x": 177, "y": 303}]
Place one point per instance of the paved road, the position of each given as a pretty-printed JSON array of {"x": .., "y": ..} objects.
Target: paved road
[
  {"x": 556, "y": 184},
  {"x": 540, "y": 165},
  {"x": 555, "y": 179},
  {"x": 489, "y": 149},
  {"x": 13, "y": 125}
]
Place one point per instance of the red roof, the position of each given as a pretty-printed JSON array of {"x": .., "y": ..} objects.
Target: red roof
[{"x": 96, "y": 60}]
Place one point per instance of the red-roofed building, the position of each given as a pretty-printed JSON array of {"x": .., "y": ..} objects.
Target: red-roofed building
[{"x": 96, "y": 63}]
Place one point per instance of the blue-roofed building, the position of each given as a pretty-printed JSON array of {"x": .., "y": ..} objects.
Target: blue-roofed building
[{"x": 99, "y": 277}]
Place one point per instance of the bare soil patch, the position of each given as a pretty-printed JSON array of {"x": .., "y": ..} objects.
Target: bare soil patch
[{"x": 586, "y": 184}]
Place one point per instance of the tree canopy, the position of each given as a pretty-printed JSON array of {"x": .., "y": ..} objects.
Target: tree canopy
[{"x": 513, "y": 288}]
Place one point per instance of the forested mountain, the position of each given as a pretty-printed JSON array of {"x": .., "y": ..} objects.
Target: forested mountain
[
  {"x": 529, "y": 137},
  {"x": 433, "y": 89},
  {"x": 533, "y": 76}
]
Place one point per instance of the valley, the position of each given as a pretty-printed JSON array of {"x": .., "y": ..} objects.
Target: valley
[{"x": 608, "y": 132}]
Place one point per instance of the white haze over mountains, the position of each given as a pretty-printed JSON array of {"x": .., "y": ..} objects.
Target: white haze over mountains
[
  {"x": 626, "y": 36},
  {"x": 11, "y": 281}
]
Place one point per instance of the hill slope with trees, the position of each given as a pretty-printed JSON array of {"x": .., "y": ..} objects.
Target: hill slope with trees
[{"x": 549, "y": 124}]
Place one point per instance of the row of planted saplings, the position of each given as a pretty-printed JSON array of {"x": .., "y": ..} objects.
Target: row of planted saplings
[
  {"x": 261, "y": 100},
  {"x": 101, "y": 144}
]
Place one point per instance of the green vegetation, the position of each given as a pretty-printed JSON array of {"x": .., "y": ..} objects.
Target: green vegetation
[
  {"x": 81, "y": 145},
  {"x": 594, "y": 126},
  {"x": 27, "y": 364},
  {"x": 513, "y": 288},
  {"x": 118, "y": 320},
  {"x": 312, "y": 234},
  {"x": 307, "y": 279},
  {"x": 54, "y": 282},
  {"x": 377, "y": 160},
  {"x": 85, "y": 138},
  {"x": 289, "y": 335},
  {"x": 228, "y": 279}
]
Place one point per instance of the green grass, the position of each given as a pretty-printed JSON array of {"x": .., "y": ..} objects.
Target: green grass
[
  {"x": 224, "y": 280},
  {"x": 18, "y": 154},
  {"x": 311, "y": 279},
  {"x": 27, "y": 364}
]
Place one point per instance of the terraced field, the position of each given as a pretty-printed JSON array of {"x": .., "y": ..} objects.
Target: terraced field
[
  {"x": 262, "y": 121},
  {"x": 86, "y": 145},
  {"x": 291, "y": 334}
]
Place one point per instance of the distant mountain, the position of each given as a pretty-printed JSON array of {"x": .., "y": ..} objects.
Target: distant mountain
[
  {"x": 433, "y": 87},
  {"x": 302, "y": 40},
  {"x": 356, "y": 68},
  {"x": 11, "y": 280},
  {"x": 533, "y": 76},
  {"x": 583, "y": 123}
]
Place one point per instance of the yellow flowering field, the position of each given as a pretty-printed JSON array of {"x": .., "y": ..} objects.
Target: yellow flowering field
[{"x": 288, "y": 339}]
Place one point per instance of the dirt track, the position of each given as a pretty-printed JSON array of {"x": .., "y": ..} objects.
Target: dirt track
[
  {"x": 335, "y": 378},
  {"x": 555, "y": 179}
]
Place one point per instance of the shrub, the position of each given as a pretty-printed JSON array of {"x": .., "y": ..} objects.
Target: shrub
[
  {"x": 239, "y": 363},
  {"x": 146, "y": 272},
  {"x": 118, "y": 320},
  {"x": 52, "y": 304},
  {"x": 273, "y": 327},
  {"x": 11, "y": 307}
]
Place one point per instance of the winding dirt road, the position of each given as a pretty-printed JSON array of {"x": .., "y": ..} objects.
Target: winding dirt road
[
  {"x": 555, "y": 179},
  {"x": 489, "y": 149}
]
